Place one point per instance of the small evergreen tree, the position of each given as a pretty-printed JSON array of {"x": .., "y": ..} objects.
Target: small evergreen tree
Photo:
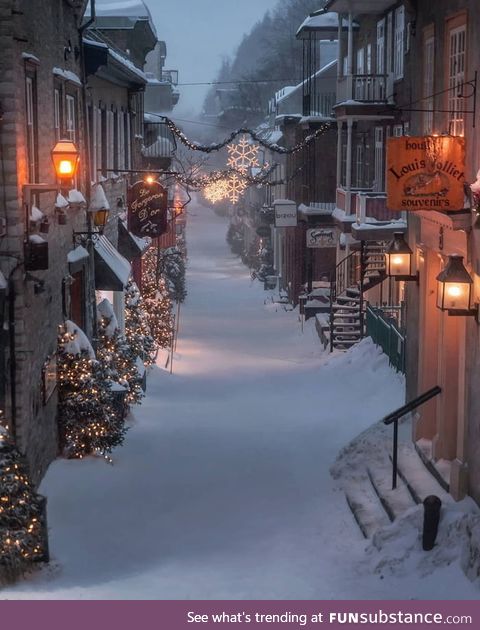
[
  {"x": 172, "y": 268},
  {"x": 137, "y": 329},
  {"x": 116, "y": 356},
  {"x": 21, "y": 536},
  {"x": 88, "y": 421},
  {"x": 156, "y": 300}
]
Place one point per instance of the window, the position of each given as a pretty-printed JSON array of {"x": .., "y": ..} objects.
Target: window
[
  {"x": 57, "y": 115},
  {"x": 97, "y": 139},
  {"x": 369, "y": 59},
  {"x": 428, "y": 81},
  {"x": 381, "y": 47},
  {"x": 121, "y": 139},
  {"x": 359, "y": 166},
  {"x": 110, "y": 141},
  {"x": 361, "y": 61},
  {"x": 379, "y": 184},
  {"x": 389, "y": 43},
  {"x": 32, "y": 132},
  {"x": 128, "y": 141},
  {"x": 399, "y": 44},
  {"x": 71, "y": 117},
  {"x": 456, "y": 78}
]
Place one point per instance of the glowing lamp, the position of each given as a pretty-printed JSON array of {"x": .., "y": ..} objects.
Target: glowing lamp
[
  {"x": 149, "y": 179},
  {"x": 454, "y": 288},
  {"x": 100, "y": 218},
  {"x": 65, "y": 158},
  {"x": 399, "y": 259}
]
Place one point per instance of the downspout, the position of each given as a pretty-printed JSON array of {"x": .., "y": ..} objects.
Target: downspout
[
  {"x": 88, "y": 186},
  {"x": 13, "y": 358}
]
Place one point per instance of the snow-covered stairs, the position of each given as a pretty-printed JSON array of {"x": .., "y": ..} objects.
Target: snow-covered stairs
[
  {"x": 346, "y": 325},
  {"x": 364, "y": 473}
]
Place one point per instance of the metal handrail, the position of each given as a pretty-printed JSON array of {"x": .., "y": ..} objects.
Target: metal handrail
[
  {"x": 334, "y": 286},
  {"x": 394, "y": 417}
]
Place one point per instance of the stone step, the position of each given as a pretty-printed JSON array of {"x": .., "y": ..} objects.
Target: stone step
[
  {"x": 343, "y": 307},
  {"x": 394, "y": 502},
  {"x": 345, "y": 299},
  {"x": 344, "y": 344},
  {"x": 366, "y": 507},
  {"x": 420, "y": 482}
]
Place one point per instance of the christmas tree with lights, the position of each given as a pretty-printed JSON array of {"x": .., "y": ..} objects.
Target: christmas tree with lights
[
  {"x": 89, "y": 423},
  {"x": 172, "y": 268},
  {"x": 156, "y": 300},
  {"x": 21, "y": 535},
  {"x": 137, "y": 329},
  {"x": 116, "y": 357}
]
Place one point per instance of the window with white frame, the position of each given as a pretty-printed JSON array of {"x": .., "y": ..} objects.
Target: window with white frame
[
  {"x": 359, "y": 165},
  {"x": 71, "y": 117},
  {"x": 128, "y": 141},
  {"x": 399, "y": 43},
  {"x": 380, "y": 60},
  {"x": 121, "y": 139},
  {"x": 32, "y": 132},
  {"x": 110, "y": 141},
  {"x": 360, "y": 61},
  {"x": 379, "y": 183},
  {"x": 368, "y": 59},
  {"x": 428, "y": 82},
  {"x": 456, "y": 78},
  {"x": 389, "y": 43},
  {"x": 98, "y": 136},
  {"x": 57, "y": 118}
]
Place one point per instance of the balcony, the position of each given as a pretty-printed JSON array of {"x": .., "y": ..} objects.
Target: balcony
[{"x": 357, "y": 91}]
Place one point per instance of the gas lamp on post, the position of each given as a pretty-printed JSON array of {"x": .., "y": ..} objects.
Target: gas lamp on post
[{"x": 65, "y": 159}]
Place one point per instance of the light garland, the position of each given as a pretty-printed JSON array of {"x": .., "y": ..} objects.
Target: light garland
[{"x": 195, "y": 146}]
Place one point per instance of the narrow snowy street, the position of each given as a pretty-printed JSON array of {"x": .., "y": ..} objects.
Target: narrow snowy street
[{"x": 222, "y": 489}]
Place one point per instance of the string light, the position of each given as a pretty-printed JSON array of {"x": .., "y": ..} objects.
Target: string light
[
  {"x": 195, "y": 146},
  {"x": 243, "y": 155}
]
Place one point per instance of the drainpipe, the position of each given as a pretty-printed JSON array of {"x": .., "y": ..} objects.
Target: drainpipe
[
  {"x": 350, "y": 57},
  {"x": 13, "y": 357},
  {"x": 88, "y": 187}
]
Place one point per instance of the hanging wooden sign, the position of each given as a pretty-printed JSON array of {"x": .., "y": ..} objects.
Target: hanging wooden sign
[
  {"x": 147, "y": 209},
  {"x": 425, "y": 173}
]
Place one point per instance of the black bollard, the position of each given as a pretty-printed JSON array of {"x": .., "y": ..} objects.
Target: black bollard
[{"x": 431, "y": 517}]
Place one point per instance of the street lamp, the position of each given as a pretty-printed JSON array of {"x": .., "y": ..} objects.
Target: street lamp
[
  {"x": 399, "y": 259},
  {"x": 65, "y": 158},
  {"x": 454, "y": 288}
]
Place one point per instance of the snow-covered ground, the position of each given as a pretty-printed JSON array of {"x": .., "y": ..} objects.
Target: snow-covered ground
[{"x": 222, "y": 490}]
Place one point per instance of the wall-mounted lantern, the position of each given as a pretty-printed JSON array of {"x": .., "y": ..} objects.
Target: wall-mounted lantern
[
  {"x": 65, "y": 158},
  {"x": 455, "y": 288},
  {"x": 399, "y": 259}
]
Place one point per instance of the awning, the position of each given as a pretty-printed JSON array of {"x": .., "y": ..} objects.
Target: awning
[
  {"x": 112, "y": 270},
  {"x": 129, "y": 245}
]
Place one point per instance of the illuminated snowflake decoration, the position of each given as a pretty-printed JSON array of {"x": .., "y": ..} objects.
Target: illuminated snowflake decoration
[
  {"x": 216, "y": 191},
  {"x": 235, "y": 188},
  {"x": 243, "y": 155}
]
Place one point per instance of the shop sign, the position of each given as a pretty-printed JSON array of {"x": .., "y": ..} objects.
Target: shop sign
[
  {"x": 321, "y": 237},
  {"x": 285, "y": 213},
  {"x": 425, "y": 173},
  {"x": 147, "y": 209}
]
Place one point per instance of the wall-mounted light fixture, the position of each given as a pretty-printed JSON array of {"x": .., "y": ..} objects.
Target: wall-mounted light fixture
[
  {"x": 399, "y": 259},
  {"x": 455, "y": 289}
]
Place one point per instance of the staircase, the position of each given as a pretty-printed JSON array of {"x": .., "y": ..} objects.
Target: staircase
[
  {"x": 364, "y": 472},
  {"x": 355, "y": 274}
]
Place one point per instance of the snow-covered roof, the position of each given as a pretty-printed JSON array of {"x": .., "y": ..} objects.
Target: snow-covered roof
[
  {"x": 121, "y": 13},
  {"x": 68, "y": 75},
  {"x": 319, "y": 20},
  {"x": 79, "y": 343},
  {"x": 117, "y": 264},
  {"x": 77, "y": 254}
]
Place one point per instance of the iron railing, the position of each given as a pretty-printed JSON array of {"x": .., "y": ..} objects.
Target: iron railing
[
  {"x": 395, "y": 416},
  {"x": 347, "y": 274},
  {"x": 383, "y": 327}
]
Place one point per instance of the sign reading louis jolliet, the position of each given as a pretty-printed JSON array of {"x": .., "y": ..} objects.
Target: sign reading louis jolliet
[
  {"x": 425, "y": 173},
  {"x": 147, "y": 209}
]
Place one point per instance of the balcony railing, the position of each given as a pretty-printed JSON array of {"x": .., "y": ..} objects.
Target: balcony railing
[{"x": 365, "y": 88}]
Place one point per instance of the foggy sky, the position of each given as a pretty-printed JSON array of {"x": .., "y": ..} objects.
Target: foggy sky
[{"x": 198, "y": 34}]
